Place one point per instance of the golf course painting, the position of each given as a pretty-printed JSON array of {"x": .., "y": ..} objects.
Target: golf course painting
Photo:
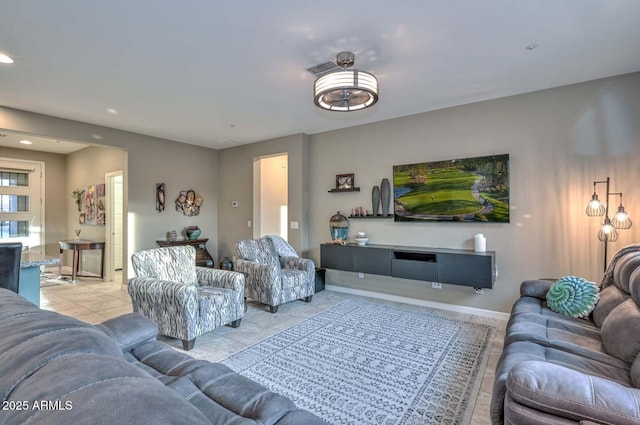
[{"x": 459, "y": 190}]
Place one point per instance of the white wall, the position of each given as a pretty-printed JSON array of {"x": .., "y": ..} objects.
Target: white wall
[
  {"x": 88, "y": 167},
  {"x": 150, "y": 160},
  {"x": 236, "y": 183},
  {"x": 559, "y": 140}
]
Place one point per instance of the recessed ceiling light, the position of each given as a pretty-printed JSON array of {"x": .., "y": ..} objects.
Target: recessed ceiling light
[
  {"x": 531, "y": 46},
  {"x": 112, "y": 111},
  {"x": 26, "y": 142},
  {"x": 5, "y": 59}
]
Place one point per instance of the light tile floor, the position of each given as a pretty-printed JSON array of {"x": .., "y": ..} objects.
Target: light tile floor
[{"x": 94, "y": 301}]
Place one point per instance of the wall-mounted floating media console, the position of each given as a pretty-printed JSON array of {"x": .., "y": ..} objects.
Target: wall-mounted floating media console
[{"x": 451, "y": 266}]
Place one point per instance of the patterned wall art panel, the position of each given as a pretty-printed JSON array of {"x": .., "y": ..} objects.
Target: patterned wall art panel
[{"x": 93, "y": 206}]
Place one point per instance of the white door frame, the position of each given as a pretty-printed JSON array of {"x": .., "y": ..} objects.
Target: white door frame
[{"x": 109, "y": 259}]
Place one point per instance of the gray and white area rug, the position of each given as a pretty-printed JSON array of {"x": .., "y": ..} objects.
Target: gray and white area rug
[{"x": 364, "y": 363}]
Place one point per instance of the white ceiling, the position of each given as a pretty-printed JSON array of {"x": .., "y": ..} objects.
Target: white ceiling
[
  {"x": 223, "y": 73},
  {"x": 9, "y": 139}
]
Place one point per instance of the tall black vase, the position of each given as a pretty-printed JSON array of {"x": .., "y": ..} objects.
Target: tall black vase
[
  {"x": 385, "y": 196},
  {"x": 375, "y": 200}
]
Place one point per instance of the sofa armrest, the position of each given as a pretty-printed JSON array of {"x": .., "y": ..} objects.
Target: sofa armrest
[
  {"x": 221, "y": 278},
  {"x": 129, "y": 330},
  {"x": 567, "y": 393},
  {"x": 537, "y": 288}
]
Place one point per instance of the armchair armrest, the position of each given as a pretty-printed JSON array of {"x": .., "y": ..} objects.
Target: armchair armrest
[
  {"x": 536, "y": 288},
  {"x": 129, "y": 330},
  {"x": 298, "y": 263},
  {"x": 221, "y": 278},
  {"x": 567, "y": 393},
  {"x": 253, "y": 270},
  {"x": 151, "y": 297}
]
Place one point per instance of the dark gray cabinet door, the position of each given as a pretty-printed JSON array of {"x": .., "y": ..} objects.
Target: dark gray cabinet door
[
  {"x": 418, "y": 270},
  {"x": 467, "y": 270},
  {"x": 372, "y": 260},
  {"x": 336, "y": 257}
]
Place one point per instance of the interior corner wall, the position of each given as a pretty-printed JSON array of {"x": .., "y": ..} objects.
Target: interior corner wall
[
  {"x": 55, "y": 194},
  {"x": 559, "y": 141},
  {"x": 149, "y": 160},
  {"x": 88, "y": 167},
  {"x": 236, "y": 184}
]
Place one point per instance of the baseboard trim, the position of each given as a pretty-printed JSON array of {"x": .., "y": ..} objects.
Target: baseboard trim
[{"x": 425, "y": 303}]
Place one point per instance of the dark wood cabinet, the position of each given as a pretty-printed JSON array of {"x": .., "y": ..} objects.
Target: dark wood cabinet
[
  {"x": 203, "y": 258},
  {"x": 451, "y": 266}
]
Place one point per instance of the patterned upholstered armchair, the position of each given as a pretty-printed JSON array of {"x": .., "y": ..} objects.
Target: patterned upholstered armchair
[
  {"x": 185, "y": 301},
  {"x": 274, "y": 274}
]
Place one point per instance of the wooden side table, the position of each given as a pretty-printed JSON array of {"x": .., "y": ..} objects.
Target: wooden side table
[
  {"x": 203, "y": 258},
  {"x": 78, "y": 245}
]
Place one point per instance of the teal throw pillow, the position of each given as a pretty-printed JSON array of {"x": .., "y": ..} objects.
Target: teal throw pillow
[{"x": 573, "y": 296}]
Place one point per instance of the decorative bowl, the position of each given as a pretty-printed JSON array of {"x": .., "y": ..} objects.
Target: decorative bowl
[{"x": 361, "y": 241}]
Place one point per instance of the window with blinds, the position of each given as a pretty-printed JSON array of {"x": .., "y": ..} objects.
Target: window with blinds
[
  {"x": 13, "y": 178},
  {"x": 14, "y": 229},
  {"x": 21, "y": 208}
]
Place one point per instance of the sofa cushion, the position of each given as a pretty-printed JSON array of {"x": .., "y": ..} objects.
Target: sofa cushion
[
  {"x": 565, "y": 392},
  {"x": 564, "y": 335},
  {"x": 635, "y": 372},
  {"x": 572, "y": 296},
  {"x": 99, "y": 390},
  {"x": 216, "y": 390},
  {"x": 539, "y": 307},
  {"x": 129, "y": 330},
  {"x": 522, "y": 351},
  {"x": 623, "y": 269},
  {"x": 634, "y": 285},
  {"x": 620, "y": 331},
  {"x": 610, "y": 298},
  {"x": 616, "y": 293},
  {"x": 48, "y": 357}
]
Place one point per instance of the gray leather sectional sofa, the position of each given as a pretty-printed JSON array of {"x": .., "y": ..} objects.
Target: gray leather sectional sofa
[
  {"x": 556, "y": 369},
  {"x": 55, "y": 369}
]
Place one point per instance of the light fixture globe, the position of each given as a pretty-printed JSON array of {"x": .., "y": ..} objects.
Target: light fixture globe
[
  {"x": 607, "y": 232},
  {"x": 346, "y": 89},
  {"x": 595, "y": 208},
  {"x": 621, "y": 219}
]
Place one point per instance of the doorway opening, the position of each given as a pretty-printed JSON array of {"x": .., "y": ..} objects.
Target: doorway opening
[
  {"x": 271, "y": 195},
  {"x": 114, "y": 226}
]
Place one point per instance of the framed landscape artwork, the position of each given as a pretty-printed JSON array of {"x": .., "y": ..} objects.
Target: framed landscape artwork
[{"x": 459, "y": 190}]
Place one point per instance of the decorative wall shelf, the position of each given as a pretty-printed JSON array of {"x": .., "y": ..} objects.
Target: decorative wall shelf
[
  {"x": 371, "y": 216},
  {"x": 355, "y": 189}
]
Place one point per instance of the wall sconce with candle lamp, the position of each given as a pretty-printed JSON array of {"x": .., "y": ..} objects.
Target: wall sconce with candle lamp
[{"x": 609, "y": 230}]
